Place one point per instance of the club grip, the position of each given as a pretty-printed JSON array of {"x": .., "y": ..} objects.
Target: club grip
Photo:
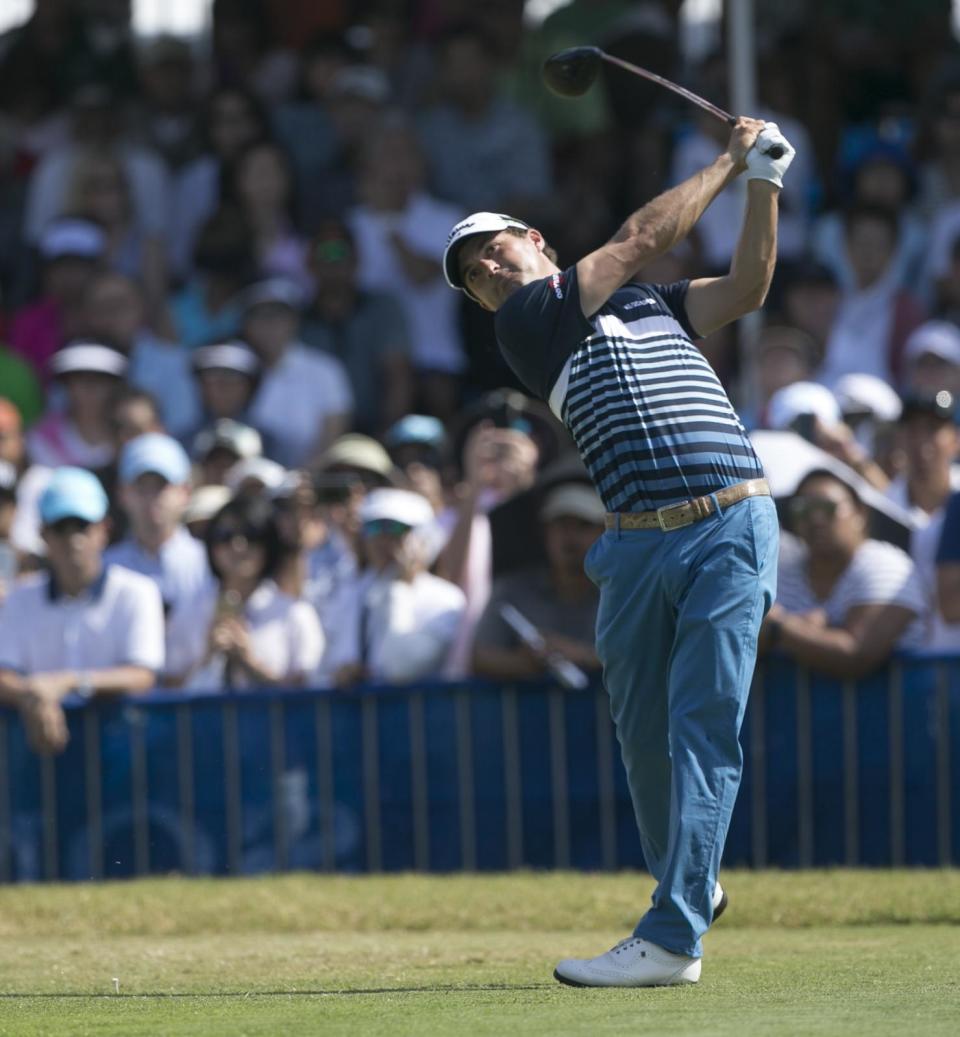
[{"x": 776, "y": 151}]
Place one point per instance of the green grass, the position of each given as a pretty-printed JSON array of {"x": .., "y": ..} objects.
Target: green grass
[{"x": 820, "y": 953}]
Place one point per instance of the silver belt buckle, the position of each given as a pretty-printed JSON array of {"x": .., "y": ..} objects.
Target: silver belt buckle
[{"x": 673, "y": 507}]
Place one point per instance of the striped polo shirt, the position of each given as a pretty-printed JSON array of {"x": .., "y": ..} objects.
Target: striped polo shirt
[{"x": 649, "y": 416}]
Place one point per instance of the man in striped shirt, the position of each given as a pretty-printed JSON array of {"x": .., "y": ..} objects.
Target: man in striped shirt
[{"x": 687, "y": 565}]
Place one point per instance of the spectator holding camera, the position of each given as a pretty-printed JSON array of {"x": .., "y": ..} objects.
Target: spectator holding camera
[
  {"x": 844, "y": 601},
  {"x": 84, "y": 627},
  {"x": 154, "y": 489},
  {"x": 247, "y": 632}
]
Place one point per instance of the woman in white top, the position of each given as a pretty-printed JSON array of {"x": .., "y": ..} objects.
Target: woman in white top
[
  {"x": 844, "y": 601},
  {"x": 250, "y": 633}
]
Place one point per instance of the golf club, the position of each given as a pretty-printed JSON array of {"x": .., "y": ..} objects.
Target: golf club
[{"x": 571, "y": 73}]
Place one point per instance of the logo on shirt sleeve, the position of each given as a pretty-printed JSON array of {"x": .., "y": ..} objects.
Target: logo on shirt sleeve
[{"x": 556, "y": 283}]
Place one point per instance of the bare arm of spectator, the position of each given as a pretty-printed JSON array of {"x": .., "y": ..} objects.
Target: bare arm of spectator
[
  {"x": 499, "y": 459},
  {"x": 864, "y": 642},
  {"x": 948, "y": 590},
  {"x": 840, "y": 441}
]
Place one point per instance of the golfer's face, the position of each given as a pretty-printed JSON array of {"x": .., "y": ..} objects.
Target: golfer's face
[{"x": 493, "y": 268}]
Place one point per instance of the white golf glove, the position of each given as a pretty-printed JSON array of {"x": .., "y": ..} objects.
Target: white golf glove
[{"x": 760, "y": 165}]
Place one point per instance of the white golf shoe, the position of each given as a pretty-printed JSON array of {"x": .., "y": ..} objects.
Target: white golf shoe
[{"x": 632, "y": 963}]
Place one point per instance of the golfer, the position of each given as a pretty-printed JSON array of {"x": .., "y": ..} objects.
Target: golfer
[{"x": 686, "y": 567}]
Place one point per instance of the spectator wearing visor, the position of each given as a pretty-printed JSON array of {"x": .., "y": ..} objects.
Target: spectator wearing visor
[
  {"x": 404, "y": 619},
  {"x": 84, "y": 627},
  {"x": 91, "y": 375},
  {"x": 304, "y": 401},
  {"x": 154, "y": 490}
]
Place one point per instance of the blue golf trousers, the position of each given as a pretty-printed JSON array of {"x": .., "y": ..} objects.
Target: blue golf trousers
[{"x": 677, "y": 635}]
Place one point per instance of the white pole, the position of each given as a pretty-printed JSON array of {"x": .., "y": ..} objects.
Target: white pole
[{"x": 742, "y": 77}]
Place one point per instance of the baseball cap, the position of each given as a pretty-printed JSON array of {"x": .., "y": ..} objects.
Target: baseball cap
[
  {"x": 277, "y": 291},
  {"x": 270, "y": 474},
  {"x": 355, "y": 450},
  {"x": 788, "y": 403},
  {"x": 477, "y": 223},
  {"x": 577, "y": 500},
  {"x": 867, "y": 394},
  {"x": 939, "y": 337},
  {"x": 72, "y": 493},
  {"x": 416, "y": 428},
  {"x": 157, "y": 453},
  {"x": 69, "y": 237},
  {"x": 88, "y": 356},
  {"x": 941, "y": 404},
  {"x": 227, "y": 356},
  {"x": 403, "y": 506},
  {"x": 227, "y": 434},
  {"x": 205, "y": 502}
]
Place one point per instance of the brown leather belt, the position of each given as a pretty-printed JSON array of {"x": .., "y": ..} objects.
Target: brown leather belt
[{"x": 676, "y": 516}]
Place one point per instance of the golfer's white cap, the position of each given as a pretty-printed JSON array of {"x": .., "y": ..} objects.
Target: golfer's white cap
[{"x": 478, "y": 223}]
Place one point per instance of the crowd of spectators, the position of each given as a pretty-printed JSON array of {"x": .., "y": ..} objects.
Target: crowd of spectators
[{"x": 248, "y": 436}]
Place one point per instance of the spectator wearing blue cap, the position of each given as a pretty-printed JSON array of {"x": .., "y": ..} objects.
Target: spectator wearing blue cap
[
  {"x": 417, "y": 444},
  {"x": 154, "y": 490},
  {"x": 84, "y": 627}
]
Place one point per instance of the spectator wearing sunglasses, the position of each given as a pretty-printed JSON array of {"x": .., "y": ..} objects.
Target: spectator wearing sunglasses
[
  {"x": 85, "y": 627},
  {"x": 250, "y": 633},
  {"x": 405, "y": 619},
  {"x": 844, "y": 601}
]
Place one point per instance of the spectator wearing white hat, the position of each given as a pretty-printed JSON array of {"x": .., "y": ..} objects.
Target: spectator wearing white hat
[
  {"x": 154, "y": 489},
  {"x": 558, "y": 599},
  {"x": 248, "y": 633},
  {"x": 85, "y": 627},
  {"x": 91, "y": 374},
  {"x": 404, "y": 619},
  {"x": 931, "y": 358},
  {"x": 813, "y": 411},
  {"x": 217, "y": 448},
  {"x": 930, "y": 442},
  {"x": 71, "y": 251},
  {"x": 304, "y": 401},
  {"x": 226, "y": 377}
]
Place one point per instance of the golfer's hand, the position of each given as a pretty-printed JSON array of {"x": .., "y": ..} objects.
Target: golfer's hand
[
  {"x": 761, "y": 165},
  {"x": 742, "y": 139}
]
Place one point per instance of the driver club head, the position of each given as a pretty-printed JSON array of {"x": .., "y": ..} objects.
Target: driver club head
[{"x": 571, "y": 72}]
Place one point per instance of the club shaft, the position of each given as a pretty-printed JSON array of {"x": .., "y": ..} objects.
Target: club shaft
[{"x": 681, "y": 90}]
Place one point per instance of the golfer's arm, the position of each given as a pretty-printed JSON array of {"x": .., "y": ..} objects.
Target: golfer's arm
[
  {"x": 650, "y": 232},
  {"x": 714, "y": 301}
]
